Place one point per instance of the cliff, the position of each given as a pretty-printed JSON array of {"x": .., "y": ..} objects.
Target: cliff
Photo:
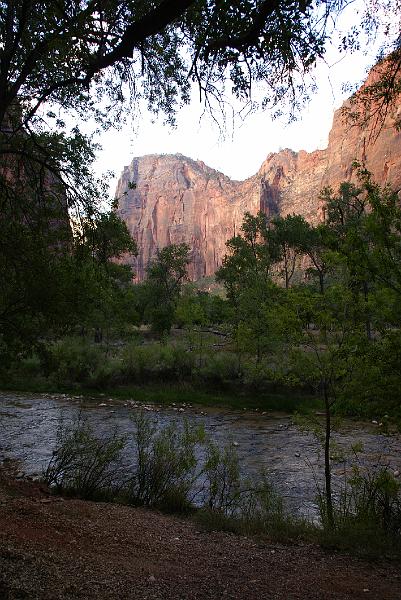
[{"x": 177, "y": 199}]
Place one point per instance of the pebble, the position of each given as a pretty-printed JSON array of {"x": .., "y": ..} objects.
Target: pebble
[
  {"x": 152, "y": 579},
  {"x": 297, "y": 455},
  {"x": 396, "y": 473}
]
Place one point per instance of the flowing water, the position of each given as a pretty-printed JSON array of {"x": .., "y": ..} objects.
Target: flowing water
[{"x": 29, "y": 424}]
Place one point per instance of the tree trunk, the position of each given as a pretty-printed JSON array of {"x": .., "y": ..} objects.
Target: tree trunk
[
  {"x": 367, "y": 323},
  {"x": 327, "y": 464},
  {"x": 321, "y": 282}
]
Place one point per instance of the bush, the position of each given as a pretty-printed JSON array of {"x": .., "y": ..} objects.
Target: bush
[
  {"x": 85, "y": 465},
  {"x": 24, "y": 373},
  {"x": 367, "y": 514},
  {"x": 174, "y": 469},
  {"x": 245, "y": 506},
  {"x": 371, "y": 499},
  {"x": 166, "y": 465},
  {"x": 219, "y": 368},
  {"x": 105, "y": 375},
  {"x": 252, "y": 508},
  {"x": 258, "y": 376},
  {"x": 156, "y": 362},
  {"x": 222, "y": 485},
  {"x": 74, "y": 360}
]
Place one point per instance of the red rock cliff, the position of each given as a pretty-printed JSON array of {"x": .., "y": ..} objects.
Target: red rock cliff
[{"x": 177, "y": 199}]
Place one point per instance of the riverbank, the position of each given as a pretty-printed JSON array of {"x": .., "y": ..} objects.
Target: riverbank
[
  {"x": 167, "y": 393},
  {"x": 55, "y": 548},
  {"x": 269, "y": 442}
]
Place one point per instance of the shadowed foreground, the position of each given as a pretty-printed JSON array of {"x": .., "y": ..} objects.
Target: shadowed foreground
[{"x": 52, "y": 548}]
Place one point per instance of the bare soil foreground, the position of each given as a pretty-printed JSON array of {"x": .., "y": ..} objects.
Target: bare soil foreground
[{"x": 52, "y": 548}]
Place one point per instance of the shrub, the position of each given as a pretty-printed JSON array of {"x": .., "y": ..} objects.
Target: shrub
[
  {"x": 371, "y": 499},
  {"x": 178, "y": 360},
  {"x": 26, "y": 372},
  {"x": 367, "y": 514},
  {"x": 174, "y": 469},
  {"x": 85, "y": 465},
  {"x": 219, "y": 368},
  {"x": 105, "y": 375},
  {"x": 250, "y": 507},
  {"x": 222, "y": 484},
  {"x": 166, "y": 464},
  {"x": 234, "y": 503},
  {"x": 74, "y": 361},
  {"x": 257, "y": 376},
  {"x": 156, "y": 362}
]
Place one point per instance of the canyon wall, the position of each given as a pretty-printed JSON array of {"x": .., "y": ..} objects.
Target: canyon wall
[{"x": 176, "y": 199}]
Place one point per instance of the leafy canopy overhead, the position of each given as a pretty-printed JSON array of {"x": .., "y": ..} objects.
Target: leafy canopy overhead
[{"x": 73, "y": 52}]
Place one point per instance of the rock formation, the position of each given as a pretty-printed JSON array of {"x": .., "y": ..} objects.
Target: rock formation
[{"x": 176, "y": 199}]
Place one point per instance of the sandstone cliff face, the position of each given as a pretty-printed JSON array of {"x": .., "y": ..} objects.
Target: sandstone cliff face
[{"x": 177, "y": 199}]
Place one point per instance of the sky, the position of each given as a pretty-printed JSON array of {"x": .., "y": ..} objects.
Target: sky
[{"x": 245, "y": 145}]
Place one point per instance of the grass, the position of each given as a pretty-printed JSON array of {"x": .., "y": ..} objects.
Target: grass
[
  {"x": 233, "y": 399},
  {"x": 284, "y": 529},
  {"x": 367, "y": 543},
  {"x": 167, "y": 394}
]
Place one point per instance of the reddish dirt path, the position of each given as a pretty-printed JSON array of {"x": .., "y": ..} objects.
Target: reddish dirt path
[{"x": 69, "y": 549}]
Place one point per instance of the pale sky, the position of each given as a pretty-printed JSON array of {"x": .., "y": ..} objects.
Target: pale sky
[{"x": 246, "y": 144}]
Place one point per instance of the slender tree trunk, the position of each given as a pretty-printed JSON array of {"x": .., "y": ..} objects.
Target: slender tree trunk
[
  {"x": 367, "y": 323},
  {"x": 321, "y": 282},
  {"x": 201, "y": 351},
  {"x": 287, "y": 281},
  {"x": 327, "y": 464}
]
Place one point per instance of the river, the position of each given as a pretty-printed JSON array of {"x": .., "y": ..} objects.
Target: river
[{"x": 29, "y": 424}]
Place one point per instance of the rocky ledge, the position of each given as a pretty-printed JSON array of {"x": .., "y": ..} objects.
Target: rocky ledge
[{"x": 176, "y": 199}]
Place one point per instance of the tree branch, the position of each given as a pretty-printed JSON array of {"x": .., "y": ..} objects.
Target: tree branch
[{"x": 150, "y": 24}]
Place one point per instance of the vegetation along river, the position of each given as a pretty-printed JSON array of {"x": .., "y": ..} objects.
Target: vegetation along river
[{"x": 29, "y": 424}]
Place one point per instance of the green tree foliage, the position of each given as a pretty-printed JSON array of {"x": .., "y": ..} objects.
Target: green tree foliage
[
  {"x": 246, "y": 274},
  {"x": 340, "y": 337},
  {"x": 288, "y": 235},
  {"x": 52, "y": 290},
  {"x": 159, "y": 294},
  {"x": 84, "y": 58},
  {"x": 57, "y": 52}
]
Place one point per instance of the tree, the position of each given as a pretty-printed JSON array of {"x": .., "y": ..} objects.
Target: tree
[
  {"x": 107, "y": 238},
  {"x": 48, "y": 291},
  {"x": 374, "y": 102},
  {"x": 56, "y": 51},
  {"x": 246, "y": 273},
  {"x": 86, "y": 56},
  {"x": 288, "y": 233},
  {"x": 323, "y": 358},
  {"x": 161, "y": 291}
]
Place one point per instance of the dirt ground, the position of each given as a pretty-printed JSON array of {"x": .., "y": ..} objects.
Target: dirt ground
[{"x": 53, "y": 548}]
